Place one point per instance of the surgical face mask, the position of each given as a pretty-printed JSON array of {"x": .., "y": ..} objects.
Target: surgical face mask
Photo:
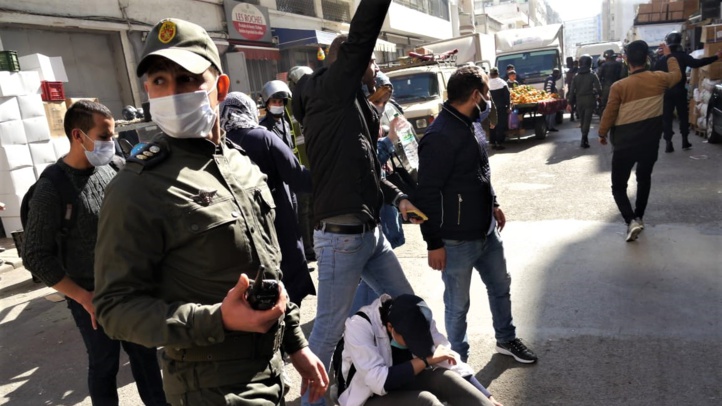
[
  {"x": 483, "y": 114},
  {"x": 398, "y": 345},
  {"x": 185, "y": 115},
  {"x": 102, "y": 152},
  {"x": 276, "y": 110}
]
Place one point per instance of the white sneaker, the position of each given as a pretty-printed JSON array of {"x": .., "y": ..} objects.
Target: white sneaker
[
  {"x": 633, "y": 229},
  {"x": 641, "y": 223}
]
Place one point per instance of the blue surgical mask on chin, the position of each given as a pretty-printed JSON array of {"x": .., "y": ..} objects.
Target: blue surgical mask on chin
[
  {"x": 483, "y": 114},
  {"x": 398, "y": 345}
]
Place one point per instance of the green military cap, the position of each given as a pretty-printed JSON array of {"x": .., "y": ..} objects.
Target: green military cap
[{"x": 184, "y": 43}]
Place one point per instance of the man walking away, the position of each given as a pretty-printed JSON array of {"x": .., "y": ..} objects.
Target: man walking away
[
  {"x": 583, "y": 94},
  {"x": 69, "y": 269},
  {"x": 634, "y": 118},
  {"x": 465, "y": 219},
  {"x": 676, "y": 97}
]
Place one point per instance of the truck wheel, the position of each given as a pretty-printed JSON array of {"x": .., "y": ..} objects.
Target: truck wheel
[
  {"x": 540, "y": 128},
  {"x": 559, "y": 117}
]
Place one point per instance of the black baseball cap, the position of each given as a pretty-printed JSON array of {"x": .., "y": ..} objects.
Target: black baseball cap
[
  {"x": 184, "y": 43},
  {"x": 410, "y": 316}
]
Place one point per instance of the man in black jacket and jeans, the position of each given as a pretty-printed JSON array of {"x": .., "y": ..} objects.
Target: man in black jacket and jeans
[
  {"x": 341, "y": 131},
  {"x": 462, "y": 232}
]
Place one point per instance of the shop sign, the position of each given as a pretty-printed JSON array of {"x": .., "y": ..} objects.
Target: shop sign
[{"x": 247, "y": 22}]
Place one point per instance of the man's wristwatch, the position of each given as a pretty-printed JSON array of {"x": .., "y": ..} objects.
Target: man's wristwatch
[{"x": 426, "y": 363}]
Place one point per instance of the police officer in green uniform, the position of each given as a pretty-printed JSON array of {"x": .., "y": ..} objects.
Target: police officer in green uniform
[
  {"x": 181, "y": 230},
  {"x": 583, "y": 94}
]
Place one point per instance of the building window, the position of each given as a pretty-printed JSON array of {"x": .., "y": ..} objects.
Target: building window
[
  {"x": 436, "y": 8},
  {"x": 336, "y": 10},
  {"x": 303, "y": 7}
]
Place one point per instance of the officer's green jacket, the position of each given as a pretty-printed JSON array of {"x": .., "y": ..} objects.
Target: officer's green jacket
[
  {"x": 584, "y": 86},
  {"x": 178, "y": 226}
]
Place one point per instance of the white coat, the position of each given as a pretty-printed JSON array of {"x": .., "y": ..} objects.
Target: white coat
[{"x": 368, "y": 347}]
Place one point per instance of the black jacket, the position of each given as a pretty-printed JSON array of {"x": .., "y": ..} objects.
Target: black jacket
[
  {"x": 684, "y": 60},
  {"x": 610, "y": 72},
  {"x": 341, "y": 129},
  {"x": 454, "y": 188},
  {"x": 286, "y": 177}
]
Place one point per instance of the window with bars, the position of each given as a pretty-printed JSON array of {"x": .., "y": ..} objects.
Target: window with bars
[
  {"x": 303, "y": 7},
  {"x": 336, "y": 10},
  {"x": 436, "y": 8}
]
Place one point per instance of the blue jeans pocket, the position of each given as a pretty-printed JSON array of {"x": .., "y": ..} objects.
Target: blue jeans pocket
[{"x": 347, "y": 243}]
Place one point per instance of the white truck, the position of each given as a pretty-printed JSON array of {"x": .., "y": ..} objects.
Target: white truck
[
  {"x": 596, "y": 49},
  {"x": 533, "y": 51},
  {"x": 653, "y": 34},
  {"x": 420, "y": 89},
  {"x": 478, "y": 48}
]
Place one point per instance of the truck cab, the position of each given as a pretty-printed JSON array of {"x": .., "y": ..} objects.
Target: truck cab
[{"x": 420, "y": 89}]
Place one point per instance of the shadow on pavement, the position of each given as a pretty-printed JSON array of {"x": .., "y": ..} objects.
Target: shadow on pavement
[{"x": 44, "y": 361}]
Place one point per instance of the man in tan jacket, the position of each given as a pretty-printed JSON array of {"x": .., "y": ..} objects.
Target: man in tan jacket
[{"x": 634, "y": 116}]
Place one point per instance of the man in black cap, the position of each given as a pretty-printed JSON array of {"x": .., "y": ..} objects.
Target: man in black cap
[
  {"x": 394, "y": 355},
  {"x": 609, "y": 73},
  {"x": 676, "y": 97},
  {"x": 197, "y": 222}
]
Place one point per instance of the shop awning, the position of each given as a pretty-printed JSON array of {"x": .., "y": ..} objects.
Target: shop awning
[
  {"x": 258, "y": 53},
  {"x": 293, "y": 38}
]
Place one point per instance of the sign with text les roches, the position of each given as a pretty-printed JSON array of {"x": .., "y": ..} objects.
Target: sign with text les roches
[{"x": 247, "y": 22}]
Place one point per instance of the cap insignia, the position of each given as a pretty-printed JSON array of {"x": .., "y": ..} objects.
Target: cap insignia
[{"x": 167, "y": 32}]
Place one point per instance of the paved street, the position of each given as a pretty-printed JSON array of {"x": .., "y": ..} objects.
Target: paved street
[{"x": 613, "y": 323}]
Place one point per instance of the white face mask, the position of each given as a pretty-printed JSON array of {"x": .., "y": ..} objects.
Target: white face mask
[
  {"x": 276, "y": 110},
  {"x": 102, "y": 152},
  {"x": 185, "y": 115}
]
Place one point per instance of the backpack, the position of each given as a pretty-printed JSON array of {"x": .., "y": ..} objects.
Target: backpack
[
  {"x": 337, "y": 362},
  {"x": 68, "y": 197}
]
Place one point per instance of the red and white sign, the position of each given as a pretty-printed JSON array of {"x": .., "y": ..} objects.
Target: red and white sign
[{"x": 249, "y": 22}]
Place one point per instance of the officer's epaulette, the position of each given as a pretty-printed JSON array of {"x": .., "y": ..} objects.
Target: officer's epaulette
[{"x": 148, "y": 155}]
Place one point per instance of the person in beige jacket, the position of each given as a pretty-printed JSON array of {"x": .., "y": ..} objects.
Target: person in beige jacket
[{"x": 633, "y": 117}]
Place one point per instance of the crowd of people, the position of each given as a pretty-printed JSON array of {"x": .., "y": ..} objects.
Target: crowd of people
[{"x": 197, "y": 245}]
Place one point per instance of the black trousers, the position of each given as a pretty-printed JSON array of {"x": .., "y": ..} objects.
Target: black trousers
[
  {"x": 498, "y": 133},
  {"x": 644, "y": 156},
  {"x": 676, "y": 101}
]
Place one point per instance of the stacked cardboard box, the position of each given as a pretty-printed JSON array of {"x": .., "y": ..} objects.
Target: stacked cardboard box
[
  {"x": 712, "y": 38},
  {"x": 666, "y": 10},
  {"x": 26, "y": 147}
]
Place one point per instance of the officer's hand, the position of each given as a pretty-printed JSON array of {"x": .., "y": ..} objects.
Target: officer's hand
[
  {"x": 437, "y": 259},
  {"x": 602, "y": 139},
  {"x": 313, "y": 373},
  {"x": 238, "y": 315}
]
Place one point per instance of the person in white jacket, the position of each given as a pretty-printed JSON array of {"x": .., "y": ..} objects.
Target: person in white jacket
[{"x": 394, "y": 355}]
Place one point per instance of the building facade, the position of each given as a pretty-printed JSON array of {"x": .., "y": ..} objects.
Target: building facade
[
  {"x": 617, "y": 18},
  {"x": 259, "y": 40},
  {"x": 582, "y": 31}
]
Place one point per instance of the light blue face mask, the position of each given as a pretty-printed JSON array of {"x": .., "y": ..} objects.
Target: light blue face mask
[
  {"x": 398, "y": 345},
  {"x": 102, "y": 152}
]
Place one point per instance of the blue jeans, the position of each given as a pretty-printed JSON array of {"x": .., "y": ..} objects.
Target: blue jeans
[
  {"x": 343, "y": 259},
  {"x": 487, "y": 257},
  {"x": 103, "y": 362},
  {"x": 391, "y": 225}
]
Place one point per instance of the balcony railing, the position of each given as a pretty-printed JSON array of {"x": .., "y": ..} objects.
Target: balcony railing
[
  {"x": 336, "y": 10},
  {"x": 436, "y": 8},
  {"x": 303, "y": 7}
]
